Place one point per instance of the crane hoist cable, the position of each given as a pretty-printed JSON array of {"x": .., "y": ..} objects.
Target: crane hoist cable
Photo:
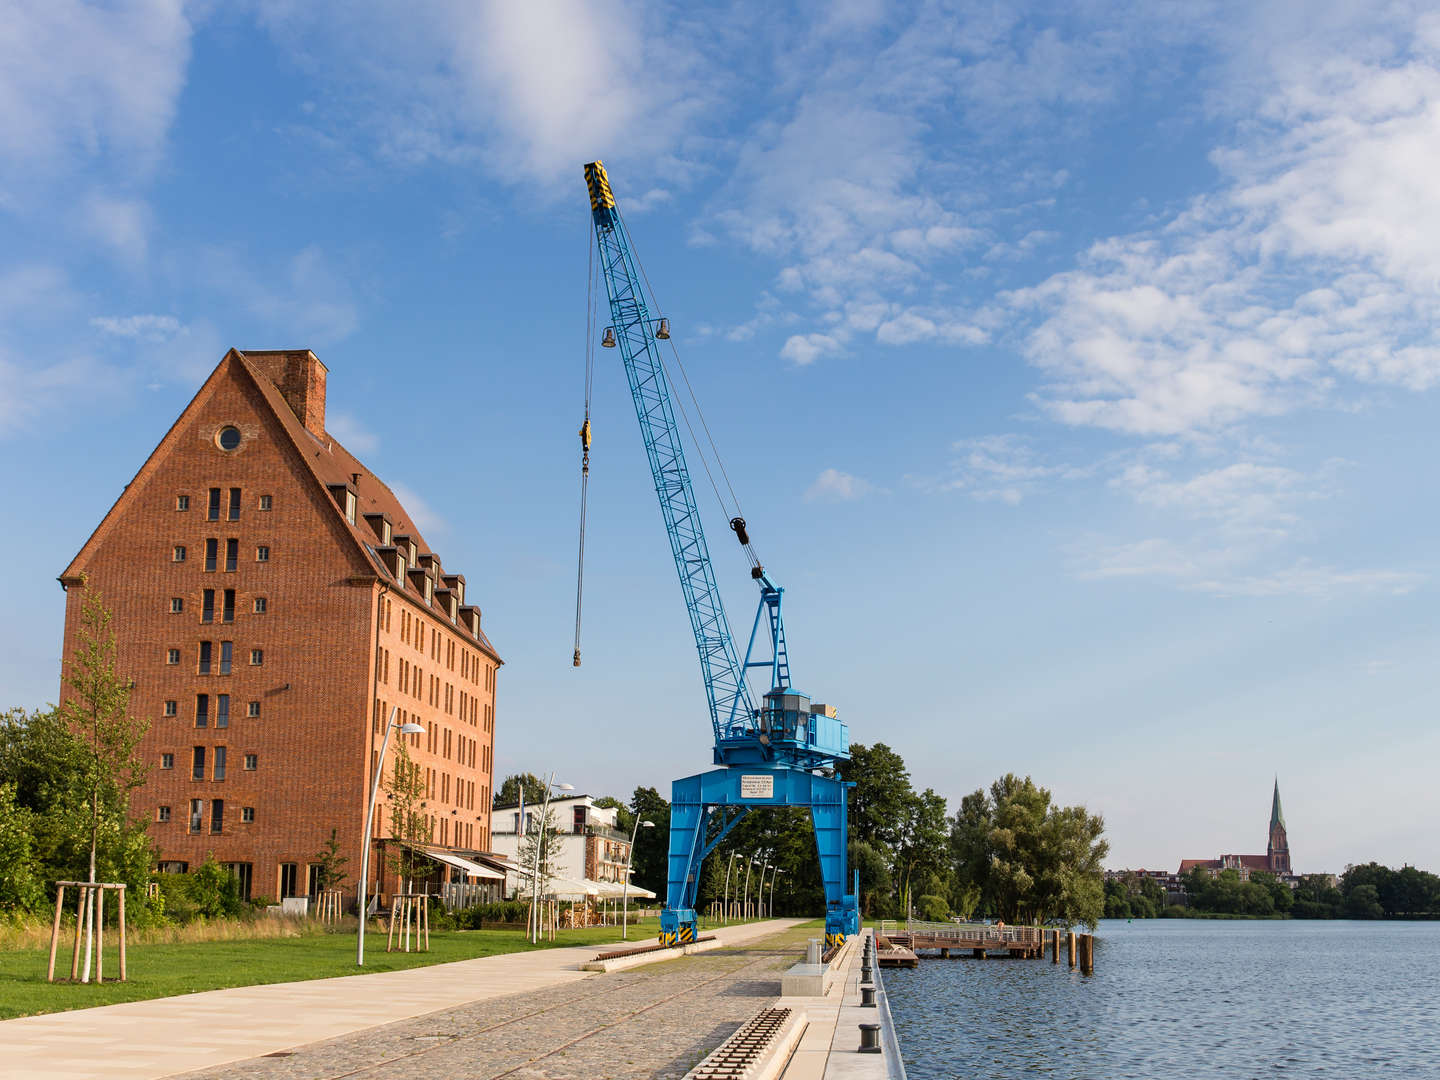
[
  {"x": 590, "y": 272},
  {"x": 736, "y": 515}
]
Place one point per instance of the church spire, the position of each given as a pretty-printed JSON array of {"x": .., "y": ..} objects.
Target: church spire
[{"x": 1277, "y": 816}]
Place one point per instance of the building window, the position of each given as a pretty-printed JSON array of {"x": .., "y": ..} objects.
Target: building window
[
  {"x": 232, "y": 555},
  {"x": 217, "y": 815},
  {"x": 182, "y": 502},
  {"x": 234, "y": 511},
  {"x": 251, "y": 760},
  {"x": 227, "y": 648},
  {"x": 288, "y": 877},
  {"x": 247, "y": 813},
  {"x": 202, "y": 710},
  {"x": 260, "y": 605},
  {"x": 207, "y": 606},
  {"x": 257, "y": 657},
  {"x": 218, "y": 771},
  {"x": 241, "y": 872},
  {"x": 212, "y": 550},
  {"x": 228, "y": 437},
  {"x": 197, "y": 814},
  {"x": 171, "y": 708},
  {"x": 266, "y": 502},
  {"x": 252, "y": 708},
  {"x": 262, "y": 553},
  {"x": 222, "y": 712},
  {"x": 177, "y": 553},
  {"x": 177, "y": 605},
  {"x": 167, "y": 761},
  {"x": 172, "y": 656},
  {"x": 213, "y": 514},
  {"x": 197, "y": 763},
  {"x": 228, "y": 615},
  {"x": 162, "y": 813},
  {"x": 205, "y": 647}
]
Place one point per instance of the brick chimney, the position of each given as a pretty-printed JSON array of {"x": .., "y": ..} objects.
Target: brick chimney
[{"x": 300, "y": 377}]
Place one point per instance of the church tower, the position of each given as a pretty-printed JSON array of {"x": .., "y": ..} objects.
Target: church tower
[{"x": 1278, "y": 849}]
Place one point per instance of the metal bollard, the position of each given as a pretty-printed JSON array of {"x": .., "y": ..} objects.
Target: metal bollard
[
  {"x": 869, "y": 1038},
  {"x": 867, "y": 973},
  {"x": 867, "y": 995}
]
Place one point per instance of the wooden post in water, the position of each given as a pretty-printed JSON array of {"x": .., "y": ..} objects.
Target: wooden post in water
[
  {"x": 1055, "y": 946},
  {"x": 1087, "y": 956},
  {"x": 978, "y": 954},
  {"x": 1072, "y": 948}
]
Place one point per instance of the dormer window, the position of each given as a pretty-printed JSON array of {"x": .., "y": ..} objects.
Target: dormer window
[
  {"x": 380, "y": 526},
  {"x": 344, "y": 496}
]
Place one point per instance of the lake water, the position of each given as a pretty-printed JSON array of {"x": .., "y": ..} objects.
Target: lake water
[{"x": 1182, "y": 999}]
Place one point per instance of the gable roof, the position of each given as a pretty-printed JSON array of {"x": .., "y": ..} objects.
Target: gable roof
[{"x": 326, "y": 461}]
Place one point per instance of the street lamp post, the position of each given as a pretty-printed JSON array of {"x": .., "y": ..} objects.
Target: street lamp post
[
  {"x": 760, "y": 891},
  {"x": 745, "y": 904},
  {"x": 539, "y": 847},
  {"x": 404, "y": 729},
  {"x": 625, "y": 893},
  {"x": 777, "y": 870},
  {"x": 729, "y": 912}
]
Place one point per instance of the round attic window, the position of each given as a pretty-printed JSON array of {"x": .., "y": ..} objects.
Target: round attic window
[{"x": 228, "y": 438}]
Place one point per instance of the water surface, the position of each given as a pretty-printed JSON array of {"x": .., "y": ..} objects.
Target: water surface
[{"x": 1183, "y": 999}]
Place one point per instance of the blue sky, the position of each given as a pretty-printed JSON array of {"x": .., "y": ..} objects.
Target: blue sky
[{"x": 1075, "y": 364}]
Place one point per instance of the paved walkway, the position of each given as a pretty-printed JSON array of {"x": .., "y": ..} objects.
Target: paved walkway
[{"x": 167, "y": 1036}]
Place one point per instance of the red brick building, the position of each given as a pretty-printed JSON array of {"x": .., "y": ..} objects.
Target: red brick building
[{"x": 272, "y": 601}]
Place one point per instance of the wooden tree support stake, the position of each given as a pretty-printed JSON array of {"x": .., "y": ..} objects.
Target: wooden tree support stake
[{"x": 87, "y": 892}]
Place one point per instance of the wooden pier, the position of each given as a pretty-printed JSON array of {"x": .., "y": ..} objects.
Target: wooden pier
[{"x": 899, "y": 944}]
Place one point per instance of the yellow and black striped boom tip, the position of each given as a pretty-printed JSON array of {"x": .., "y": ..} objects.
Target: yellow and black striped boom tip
[{"x": 601, "y": 197}]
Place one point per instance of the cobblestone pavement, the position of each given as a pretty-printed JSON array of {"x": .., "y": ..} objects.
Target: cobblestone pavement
[{"x": 647, "y": 1023}]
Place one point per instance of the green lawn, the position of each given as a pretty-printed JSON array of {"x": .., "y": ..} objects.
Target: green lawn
[{"x": 165, "y": 970}]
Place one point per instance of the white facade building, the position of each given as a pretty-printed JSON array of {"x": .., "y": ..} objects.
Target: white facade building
[{"x": 593, "y": 851}]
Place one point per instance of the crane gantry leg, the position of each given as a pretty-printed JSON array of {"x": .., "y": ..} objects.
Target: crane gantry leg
[{"x": 694, "y": 801}]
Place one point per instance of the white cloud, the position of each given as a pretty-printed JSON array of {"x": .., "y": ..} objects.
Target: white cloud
[
  {"x": 1004, "y": 468},
  {"x": 80, "y": 81},
  {"x": 142, "y": 327},
  {"x": 516, "y": 89},
  {"x": 300, "y": 299},
  {"x": 805, "y": 349},
  {"x": 352, "y": 433},
  {"x": 123, "y": 225},
  {"x": 840, "y": 486},
  {"x": 422, "y": 514},
  {"x": 1317, "y": 260}
]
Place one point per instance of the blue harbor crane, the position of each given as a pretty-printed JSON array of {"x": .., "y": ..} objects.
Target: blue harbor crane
[{"x": 786, "y": 751}]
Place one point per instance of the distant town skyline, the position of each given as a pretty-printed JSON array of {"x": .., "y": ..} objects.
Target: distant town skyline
[{"x": 1076, "y": 370}]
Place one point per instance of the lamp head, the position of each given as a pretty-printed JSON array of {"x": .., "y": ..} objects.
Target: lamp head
[
  {"x": 647, "y": 824},
  {"x": 563, "y": 787},
  {"x": 410, "y": 729}
]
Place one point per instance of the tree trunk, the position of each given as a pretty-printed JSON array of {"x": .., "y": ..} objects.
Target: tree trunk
[{"x": 90, "y": 903}]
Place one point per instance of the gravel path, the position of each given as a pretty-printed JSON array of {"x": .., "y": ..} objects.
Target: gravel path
[{"x": 656, "y": 1022}]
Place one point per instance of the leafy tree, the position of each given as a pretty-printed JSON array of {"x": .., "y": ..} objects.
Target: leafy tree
[
  {"x": 409, "y": 824},
  {"x": 650, "y": 860},
  {"x": 1031, "y": 860},
  {"x": 508, "y": 793},
  {"x": 920, "y": 854},
  {"x": 1363, "y": 902},
  {"x": 624, "y": 819},
  {"x": 875, "y": 881},
  {"x": 547, "y": 845},
  {"x": 22, "y": 887},
  {"x": 331, "y": 873},
  {"x": 96, "y": 709},
  {"x": 880, "y": 798}
]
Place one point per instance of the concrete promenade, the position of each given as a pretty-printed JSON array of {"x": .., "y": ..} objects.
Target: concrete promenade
[{"x": 169, "y": 1036}]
